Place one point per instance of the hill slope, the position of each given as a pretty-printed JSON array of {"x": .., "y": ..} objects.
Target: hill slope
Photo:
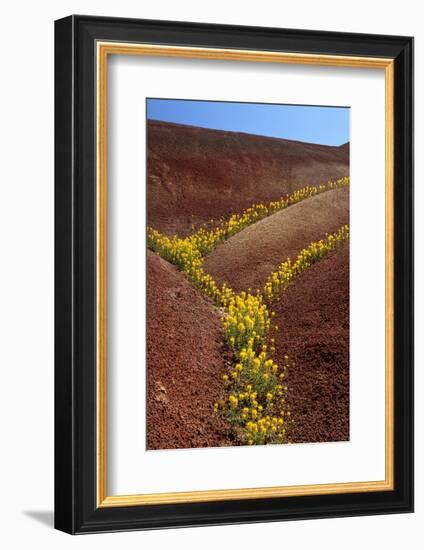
[
  {"x": 313, "y": 315},
  {"x": 185, "y": 362},
  {"x": 246, "y": 259},
  {"x": 195, "y": 174}
]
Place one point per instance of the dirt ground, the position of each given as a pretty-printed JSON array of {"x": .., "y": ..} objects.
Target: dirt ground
[
  {"x": 246, "y": 259},
  {"x": 185, "y": 362},
  {"x": 313, "y": 320},
  {"x": 200, "y": 174}
]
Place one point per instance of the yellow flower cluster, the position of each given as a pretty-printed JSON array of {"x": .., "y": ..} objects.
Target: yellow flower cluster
[
  {"x": 278, "y": 281},
  {"x": 255, "y": 383},
  {"x": 205, "y": 240},
  {"x": 256, "y": 405},
  {"x": 184, "y": 254},
  {"x": 342, "y": 182},
  {"x": 247, "y": 320},
  {"x": 266, "y": 430}
]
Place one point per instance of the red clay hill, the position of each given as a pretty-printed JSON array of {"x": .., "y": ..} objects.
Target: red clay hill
[
  {"x": 313, "y": 317},
  {"x": 185, "y": 362},
  {"x": 197, "y": 174}
]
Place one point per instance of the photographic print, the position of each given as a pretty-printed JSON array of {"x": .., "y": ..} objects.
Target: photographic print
[{"x": 247, "y": 274}]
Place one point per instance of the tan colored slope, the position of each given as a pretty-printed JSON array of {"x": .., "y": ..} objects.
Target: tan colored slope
[
  {"x": 246, "y": 260},
  {"x": 185, "y": 362},
  {"x": 197, "y": 174}
]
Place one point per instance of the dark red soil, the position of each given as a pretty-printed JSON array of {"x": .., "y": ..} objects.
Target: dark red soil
[
  {"x": 196, "y": 174},
  {"x": 247, "y": 259},
  {"x": 313, "y": 320},
  {"x": 185, "y": 362}
]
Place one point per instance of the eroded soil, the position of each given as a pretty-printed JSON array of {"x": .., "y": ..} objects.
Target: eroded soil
[
  {"x": 185, "y": 362},
  {"x": 313, "y": 320}
]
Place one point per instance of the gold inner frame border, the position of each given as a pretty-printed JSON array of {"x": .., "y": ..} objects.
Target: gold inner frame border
[{"x": 103, "y": 50}]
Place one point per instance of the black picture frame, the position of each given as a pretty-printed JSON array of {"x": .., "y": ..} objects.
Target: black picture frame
[{"x": 76, "y": 508}]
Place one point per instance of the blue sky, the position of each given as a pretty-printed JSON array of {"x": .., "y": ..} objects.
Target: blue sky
[{"x": 325, "y": 125}]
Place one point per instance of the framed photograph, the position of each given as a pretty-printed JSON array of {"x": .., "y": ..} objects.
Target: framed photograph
[{"x": 234, "y": 274}]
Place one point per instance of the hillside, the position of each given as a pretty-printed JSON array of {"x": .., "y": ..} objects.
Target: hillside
[
  {"x": 313, "y": 314},
  {"x": 247, "y": 258},
  {"x": 185, "y": 361},
  {"x": 195, "y": 174}
]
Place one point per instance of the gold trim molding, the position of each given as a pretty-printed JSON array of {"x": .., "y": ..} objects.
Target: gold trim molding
[{"x": 104, "y": 49}]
